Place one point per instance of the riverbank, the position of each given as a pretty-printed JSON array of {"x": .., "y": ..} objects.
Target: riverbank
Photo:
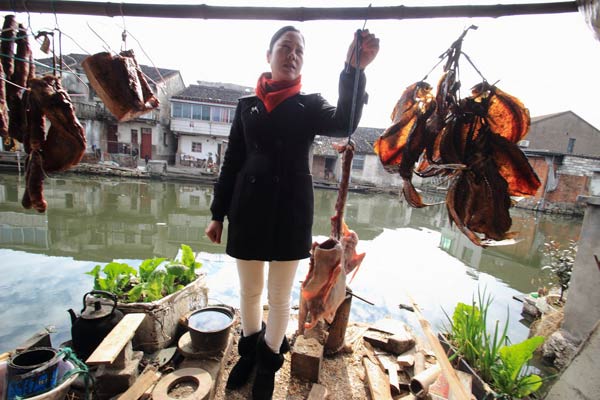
[{"x": 159, "y": 170}]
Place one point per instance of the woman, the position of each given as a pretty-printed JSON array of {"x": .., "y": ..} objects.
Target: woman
[{"x": 265, "y": 190}]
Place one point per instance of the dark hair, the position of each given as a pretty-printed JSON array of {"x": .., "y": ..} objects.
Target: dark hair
[{"x": 280, "y": 33}]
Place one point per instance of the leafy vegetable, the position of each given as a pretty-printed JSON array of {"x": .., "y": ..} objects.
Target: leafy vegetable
[
  {"x": 499, "y": 364},
  {"x": 470, "y": 336},
  {"x": 508, "y": 374},
  {"x": 149, "y": 282},
  {"x": 117, "y": 277}
]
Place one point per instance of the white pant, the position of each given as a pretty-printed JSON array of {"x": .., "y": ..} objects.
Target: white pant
[{"x": 279, "y": 288}]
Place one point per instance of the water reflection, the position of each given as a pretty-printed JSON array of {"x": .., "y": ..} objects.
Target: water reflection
[{"x": 94, "y": 220}]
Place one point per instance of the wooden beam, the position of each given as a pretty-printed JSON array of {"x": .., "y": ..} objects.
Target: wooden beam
[
  {"x": 112, "y": 345},
  {"x": 203, "y": 11},
  {"x": 148, "y": 378}
]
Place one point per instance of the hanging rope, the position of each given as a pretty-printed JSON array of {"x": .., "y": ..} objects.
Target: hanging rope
[
  {"x": 356, "y": 75},
  {"x": 79, "y": 368}
]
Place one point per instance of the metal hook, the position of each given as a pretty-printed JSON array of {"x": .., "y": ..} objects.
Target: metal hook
[
  {"x": 124, "y": 34},
  {"x": 367, "y": 17}
]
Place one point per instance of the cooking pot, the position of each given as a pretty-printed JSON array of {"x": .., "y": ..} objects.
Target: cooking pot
[
  {"x": 96, "y": 321},
  {"x": 209, "y": 328}
]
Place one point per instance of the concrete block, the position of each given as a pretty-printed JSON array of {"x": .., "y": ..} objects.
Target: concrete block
[
  {"x": 307, "y": 356},
  {"x": 111, "y": 381},
  {"x": 123, "y": 358}
]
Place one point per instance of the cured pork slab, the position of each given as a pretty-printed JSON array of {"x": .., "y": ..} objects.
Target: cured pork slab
[{"x": 120, "y": 84}]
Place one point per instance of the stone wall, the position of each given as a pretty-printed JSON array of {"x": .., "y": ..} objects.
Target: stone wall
[{"x": 580, "y": 166}]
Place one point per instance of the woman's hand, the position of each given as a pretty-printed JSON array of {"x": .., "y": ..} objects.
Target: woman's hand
[
  {"x": 368, "y": 49},
  {"x": 214, "y": 231}
]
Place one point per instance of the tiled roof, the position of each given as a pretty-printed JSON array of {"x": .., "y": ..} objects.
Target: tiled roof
[
  {"x": 73, "y": 62},
  {"x": 212, "y": 94},
  {"x": 548, "y": 116},
  {"x": 363, "y": 138}
]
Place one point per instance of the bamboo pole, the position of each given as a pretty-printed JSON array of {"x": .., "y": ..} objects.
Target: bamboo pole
[
  {"x": 203, "y": 11},
  {"x": 447, "y": 369}
]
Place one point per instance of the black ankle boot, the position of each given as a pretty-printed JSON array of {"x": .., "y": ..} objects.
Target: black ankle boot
[
  {"x": 243, "y": 368},
  {"x": 268, "y": 363}
]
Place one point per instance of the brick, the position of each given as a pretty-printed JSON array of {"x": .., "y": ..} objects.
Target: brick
[{"x": 307, "y": 356}]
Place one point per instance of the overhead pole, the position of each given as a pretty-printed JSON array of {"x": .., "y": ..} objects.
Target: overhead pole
[{"x": 203, "y": 11}]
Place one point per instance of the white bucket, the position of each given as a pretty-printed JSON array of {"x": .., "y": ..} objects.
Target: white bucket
[{"x": 58, "y": 393}]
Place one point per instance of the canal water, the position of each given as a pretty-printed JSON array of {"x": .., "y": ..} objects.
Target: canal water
[{"x": 94, "y": 220}]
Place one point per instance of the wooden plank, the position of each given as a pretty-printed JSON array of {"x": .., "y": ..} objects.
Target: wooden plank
[
  {"x": 115, "y": 341},
  {"x": 379, "y": 385},
  {"x": 148, "y": 378},
  {"x": 318, "y": 392},
  {"x": 391, "y": 367},
  {"x": 447, "y": 369}
]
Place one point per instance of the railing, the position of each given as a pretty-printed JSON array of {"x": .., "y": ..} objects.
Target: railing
[
  {"x": 99, "y": 112},
  {"x": 91, "y": 111}
]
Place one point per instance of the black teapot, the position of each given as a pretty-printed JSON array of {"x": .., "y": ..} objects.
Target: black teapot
[{"x": 94, "y": 324}]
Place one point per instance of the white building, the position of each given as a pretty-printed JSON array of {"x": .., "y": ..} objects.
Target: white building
[
  {"x": 201, "y": 117},
  {"x": 149, "y": 134}
]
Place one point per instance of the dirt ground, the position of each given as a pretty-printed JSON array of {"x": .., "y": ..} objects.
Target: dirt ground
[{"x": 343, "y": 374}]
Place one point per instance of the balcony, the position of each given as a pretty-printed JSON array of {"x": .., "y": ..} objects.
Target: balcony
[
  {"x": 198, "y": 127},
  {"x": 99, "y": 112},
  {"x": 96, "y": 111}
]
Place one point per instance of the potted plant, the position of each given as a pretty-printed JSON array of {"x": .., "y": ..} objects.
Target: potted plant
[
  {"x": 499, "y": 369},
  {"x": 560, "y": 265},
  {"x": 164, "y": 289}
]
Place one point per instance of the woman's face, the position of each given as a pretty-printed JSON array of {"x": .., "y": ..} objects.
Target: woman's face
[{"x": 287, "y": 57}]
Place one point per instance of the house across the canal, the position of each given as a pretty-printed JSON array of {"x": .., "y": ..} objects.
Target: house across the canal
[
  {"x": 123, "y": 142},
  {"x": 201, "y": 117},
  {"x": 564, "y": 150}
]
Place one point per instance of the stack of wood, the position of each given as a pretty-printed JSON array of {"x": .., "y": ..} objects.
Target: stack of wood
[{"x": 397, "y": 365}]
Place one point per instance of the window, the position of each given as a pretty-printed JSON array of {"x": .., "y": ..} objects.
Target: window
[
  {"x": 358, "y": 163},
  {"x": 201, "y": 112},
  {"x": 182, "y": 110},
  {"x": 571, "y": 145},
  {"x": 197, "y": 147},
  {"x": 176, "y": 110},
  {"x": 195, "y": 201},
  {"x": 69, "y": 200},
  {"x": 222, "y": 114}
]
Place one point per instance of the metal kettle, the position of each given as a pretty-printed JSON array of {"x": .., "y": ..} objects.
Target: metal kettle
[{"x": 96, "y": 321}]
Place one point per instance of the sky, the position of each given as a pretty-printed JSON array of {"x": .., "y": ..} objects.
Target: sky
[{"x": 550, "y": 62}]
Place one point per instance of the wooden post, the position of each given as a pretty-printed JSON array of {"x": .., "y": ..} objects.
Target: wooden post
[{"x": 337, "y": 330}]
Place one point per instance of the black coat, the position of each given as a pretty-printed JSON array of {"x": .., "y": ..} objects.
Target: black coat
[{"x": 265, "y": 187}]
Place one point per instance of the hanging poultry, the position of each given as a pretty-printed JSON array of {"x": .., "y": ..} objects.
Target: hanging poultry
[
  {"x": 324, "y": 288},
  {"x": 471, "y": 140}
]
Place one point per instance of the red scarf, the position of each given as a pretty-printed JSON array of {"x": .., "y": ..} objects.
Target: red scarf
[{"x": 272, "y": 93}]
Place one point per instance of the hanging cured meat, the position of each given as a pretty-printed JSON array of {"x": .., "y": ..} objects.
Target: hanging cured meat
[
  {"x": 120, "y": 84},
  {"x": 472, "y": 141},
  {"x": 60, "y": 148},
  {"x": 26, "y": 104}
]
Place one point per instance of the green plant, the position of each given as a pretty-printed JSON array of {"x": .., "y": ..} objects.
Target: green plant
[
  {"x": 507, "y": 374},
  {"x": 149, "y": 282},
  {"x": 499, "y": 364},
  {"x": 470, "y": 336},
  {"x": 561, "y": 263},
  {"x": 117, "y": 277}
]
